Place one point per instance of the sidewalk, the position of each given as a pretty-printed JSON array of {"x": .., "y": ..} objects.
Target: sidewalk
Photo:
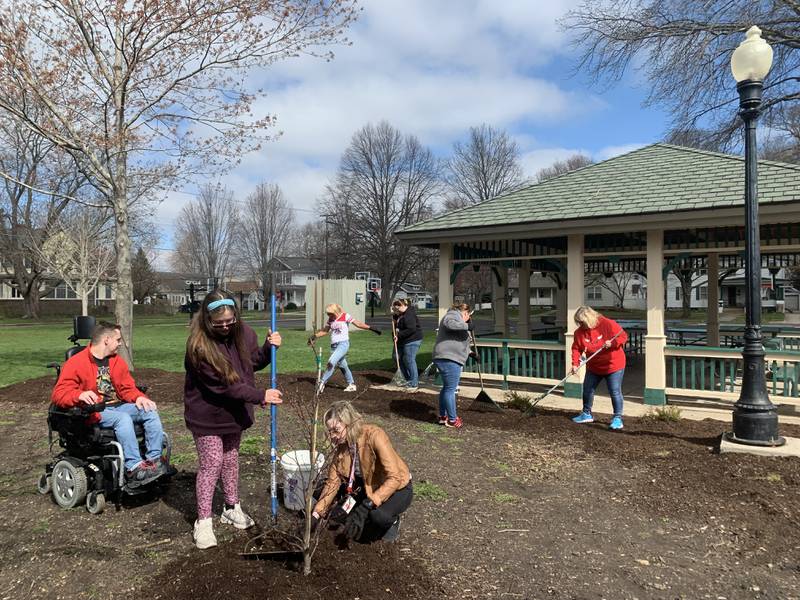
[{"x": 602, "y": 404}]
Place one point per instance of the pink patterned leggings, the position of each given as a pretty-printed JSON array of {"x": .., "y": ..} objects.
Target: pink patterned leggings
[{"x": 218, "y": 456}]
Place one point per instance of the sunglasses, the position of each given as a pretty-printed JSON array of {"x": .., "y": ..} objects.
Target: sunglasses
[{"x": 223, "y": 324}]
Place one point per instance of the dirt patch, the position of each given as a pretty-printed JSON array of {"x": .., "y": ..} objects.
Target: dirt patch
[{"x": 508, "y": 507}]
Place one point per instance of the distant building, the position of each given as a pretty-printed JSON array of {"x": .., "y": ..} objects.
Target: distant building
[
  {"x": 415, "y": 294},
  {"x": 291, "y": 275}
]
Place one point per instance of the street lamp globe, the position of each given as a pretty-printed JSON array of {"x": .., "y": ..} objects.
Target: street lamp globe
[{"x": 752, "y": 59}]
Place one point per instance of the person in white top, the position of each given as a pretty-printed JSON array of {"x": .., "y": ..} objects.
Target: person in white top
[{"x": 338, "y": 326}]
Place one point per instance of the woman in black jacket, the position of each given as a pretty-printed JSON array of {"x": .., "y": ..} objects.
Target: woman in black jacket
[{"x": 408, "y": 335}]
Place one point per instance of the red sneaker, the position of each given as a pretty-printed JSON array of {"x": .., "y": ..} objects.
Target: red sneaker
[
  {"x": 457, "y": 423},
  {"x": 442, "y": 419}
]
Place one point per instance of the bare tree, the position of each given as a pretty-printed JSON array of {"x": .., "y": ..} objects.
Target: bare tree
[
  {"x": 385, "y": 181},
  {"x": 266, "y": 224},
  {"x": 308, "y": 241},
  {"x": 27, "y": 216},
  {"x": 150, "y": 87},
  {"x": 205, "y": 233},
  {"x": 485, "y": 166},
  {"x": 80, "y": 251},
  {"x": 684, "y": 47},
  {"x": 616, "y": 283},
  {"x": 576, "y": 161}
]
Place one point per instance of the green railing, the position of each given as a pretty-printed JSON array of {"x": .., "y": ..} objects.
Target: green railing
[
  {"x": 717, "y": 373},
  {"x": 539, "y": 361}
]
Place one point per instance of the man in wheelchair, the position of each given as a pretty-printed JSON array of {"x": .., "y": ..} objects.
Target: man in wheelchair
[{"x": 97, "y": 374}]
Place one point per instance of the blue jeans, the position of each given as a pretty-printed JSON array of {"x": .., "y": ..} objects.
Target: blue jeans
[
  {"x": 338, "y": 357},
  {"x": 408, "y": 362},
  {"x": 450, "y": 372},
  {"x": 121, "y": 419},
  {"x": 614, "y": 384}
]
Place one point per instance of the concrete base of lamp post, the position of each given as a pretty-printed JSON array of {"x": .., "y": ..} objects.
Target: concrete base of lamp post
[{"x": 790, "y": 448}]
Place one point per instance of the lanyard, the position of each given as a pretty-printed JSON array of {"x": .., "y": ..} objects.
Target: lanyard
[{"x": 354, "y": 449}]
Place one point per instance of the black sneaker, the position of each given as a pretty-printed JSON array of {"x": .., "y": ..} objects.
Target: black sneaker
[
  {"x": 393, "y": 532},
  {"x": 142, "y": 474}
]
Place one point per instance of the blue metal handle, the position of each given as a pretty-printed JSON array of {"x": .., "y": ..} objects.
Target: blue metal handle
[{"x": 273, "y": 414}]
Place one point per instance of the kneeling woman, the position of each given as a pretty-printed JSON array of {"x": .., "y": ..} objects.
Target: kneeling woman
[{"x": 367, "y": 478}]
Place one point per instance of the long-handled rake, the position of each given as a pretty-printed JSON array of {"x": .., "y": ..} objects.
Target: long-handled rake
[
  {"x": 529, "y": 411},
  {"x": 398, "y": 380},
  {"x": 482, "y": 397}
]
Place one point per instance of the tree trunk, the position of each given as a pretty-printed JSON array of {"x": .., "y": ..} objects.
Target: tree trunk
[
  {"x": 84, "y": 299},
  {"x": 30, "y": 300},
  {"x": 686, "y": 298},
  {"x": 124, "y": 296}
]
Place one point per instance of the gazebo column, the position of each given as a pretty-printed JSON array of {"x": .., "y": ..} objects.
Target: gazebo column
[
  {"x": 524, "y": 277},
  {"x": 445, "y": 270},
  {"x": 712, "y": 314},
  {"x": 655, "y": 379},
  {"x": 561, "y": 308},
  {"x": 573, "y": 387},
  {"x": 500, "y": 301}
]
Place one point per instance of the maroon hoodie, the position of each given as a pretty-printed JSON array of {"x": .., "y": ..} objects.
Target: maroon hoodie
[{"x": 213, "y": 406}]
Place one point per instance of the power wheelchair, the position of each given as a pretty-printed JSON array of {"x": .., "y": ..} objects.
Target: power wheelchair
[{"x": 88, "y": 464}]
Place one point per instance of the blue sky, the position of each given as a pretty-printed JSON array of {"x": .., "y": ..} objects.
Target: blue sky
[{"x": 433, "y": 69}]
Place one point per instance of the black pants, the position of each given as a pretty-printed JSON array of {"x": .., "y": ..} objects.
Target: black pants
[
  {"x": 395, "y": 505},
  {"x": 379, "y": 519}
]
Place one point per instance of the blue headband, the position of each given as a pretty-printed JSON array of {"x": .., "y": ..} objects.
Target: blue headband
[{"x": 217, "y": 303}]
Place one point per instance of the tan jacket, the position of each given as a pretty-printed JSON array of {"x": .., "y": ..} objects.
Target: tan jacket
[{"x": 383, "y": 470}]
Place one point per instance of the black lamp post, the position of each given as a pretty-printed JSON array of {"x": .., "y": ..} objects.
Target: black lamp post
[{"x": 755, "y": 418}]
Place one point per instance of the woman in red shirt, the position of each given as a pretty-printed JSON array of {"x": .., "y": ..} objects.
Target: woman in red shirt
[{"x": 596, "y": 332}]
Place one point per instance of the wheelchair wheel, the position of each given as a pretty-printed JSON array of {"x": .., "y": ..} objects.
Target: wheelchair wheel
[
  {"x": 69, "y": 484},
  {"x": 43, "y": 486},
  {"x": 95, "y": 502}
]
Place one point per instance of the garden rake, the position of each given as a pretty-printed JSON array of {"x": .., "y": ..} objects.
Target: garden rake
[
  {"x": 529, "y": 411},
  {"x": 482, "y": 397},
  {"x": 398, "y": 380}
]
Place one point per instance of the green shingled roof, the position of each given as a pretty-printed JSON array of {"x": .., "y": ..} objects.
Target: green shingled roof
[{"x": 655, "y": 179}]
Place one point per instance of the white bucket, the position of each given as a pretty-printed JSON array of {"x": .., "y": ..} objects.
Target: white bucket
[{"x": 296, "y": 465}]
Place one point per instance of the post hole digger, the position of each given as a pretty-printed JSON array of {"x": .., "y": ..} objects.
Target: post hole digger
[
  {"x": 258, "y": 546},
  {"x": 584, "y": 360}
]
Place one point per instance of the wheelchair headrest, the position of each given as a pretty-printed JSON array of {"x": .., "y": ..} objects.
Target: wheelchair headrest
[{"x": 73, "y": 351}]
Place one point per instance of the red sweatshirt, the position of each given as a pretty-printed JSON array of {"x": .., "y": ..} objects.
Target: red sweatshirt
[
  {"x": 79, "y": 374},
  {"x": 588, "y": 341}
]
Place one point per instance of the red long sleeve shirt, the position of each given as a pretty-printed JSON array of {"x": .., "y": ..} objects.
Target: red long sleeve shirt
[
  {"x": 588, "y": 341},
  {"x": 79, "y": 374}
]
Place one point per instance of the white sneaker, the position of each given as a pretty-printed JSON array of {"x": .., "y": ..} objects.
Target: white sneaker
[
  {"x": 237, "y": 517},
  {"x": 204, "y": 534},
  {"x": 321, "y": 387},
  {"x": 350, "y": 388}
]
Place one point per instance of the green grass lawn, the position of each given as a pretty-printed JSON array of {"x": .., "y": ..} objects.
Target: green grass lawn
[{"x": 160, "y": 344}]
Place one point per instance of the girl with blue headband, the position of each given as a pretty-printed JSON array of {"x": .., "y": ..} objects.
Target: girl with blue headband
[{"x": 220, "y": 395}]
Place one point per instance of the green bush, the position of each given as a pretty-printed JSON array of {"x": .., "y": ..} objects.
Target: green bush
[
  {"x": 290, "y": 306},
  {"x": 518, "y": 400}
]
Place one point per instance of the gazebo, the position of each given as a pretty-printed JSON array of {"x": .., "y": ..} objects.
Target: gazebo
[{"x": 647, "y": 211}]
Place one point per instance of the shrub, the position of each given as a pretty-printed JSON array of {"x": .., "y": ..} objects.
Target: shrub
[
  {"x": 518, "y": 400},
  {"x": 290, "y": 306},
  {"x": 666, "y": 413}
]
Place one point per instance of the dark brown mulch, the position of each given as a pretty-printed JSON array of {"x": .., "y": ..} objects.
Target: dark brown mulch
[{"x": 508, "y": 507}]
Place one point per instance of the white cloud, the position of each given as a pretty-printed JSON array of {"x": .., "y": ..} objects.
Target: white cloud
[{"x": 432, "y": 69}]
